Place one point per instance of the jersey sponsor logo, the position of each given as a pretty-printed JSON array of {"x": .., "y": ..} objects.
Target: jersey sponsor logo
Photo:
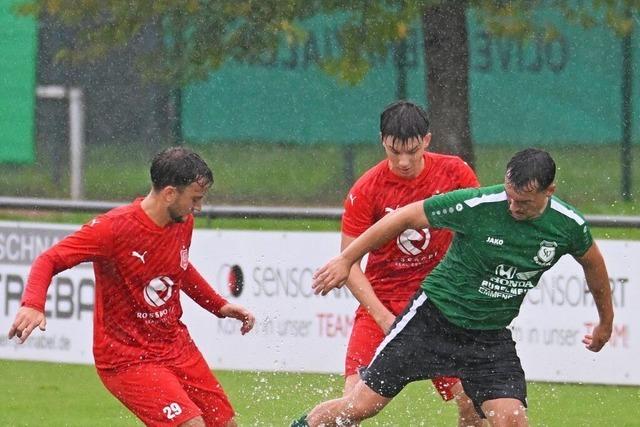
[
  {"x": 526, "y": 275},
  {"x": 139, "y": 255},
  {"x": 410, "y": 241},
  {"x": 235, "y": 280},
  {"x": 546, "y": 253},
  {"x": 184, "y": 258},
  {"x": 352, "y": 198},
  {"x": 93, "y": 222},
  {"x": 507, "y": 282},
  {"x": 413, "y": 242},
  {"x": 494, "y": 241},
  {"x": 507, "y": 271},
  {"x": 158, "y": 291}
]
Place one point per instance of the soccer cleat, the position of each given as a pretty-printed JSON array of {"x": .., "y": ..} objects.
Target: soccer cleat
[{"x": 300, "y": 422}]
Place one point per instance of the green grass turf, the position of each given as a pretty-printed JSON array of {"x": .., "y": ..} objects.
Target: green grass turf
[
  {"x": 312, "y": 175},
  {"x": 53, "y": 394},
  {"x": 58, "y": 394},
  {"x": 307, "y": 175}
]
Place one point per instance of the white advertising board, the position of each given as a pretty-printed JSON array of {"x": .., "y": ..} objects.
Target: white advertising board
[
  {"x": 295, "y": 329},
  {"x": 302, "y": 332},
  {"x": 560, "y": 311},
  {"x": 69, "y": 307}
]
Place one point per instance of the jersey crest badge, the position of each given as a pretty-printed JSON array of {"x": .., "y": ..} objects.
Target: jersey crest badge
[
  {"x": 546, "y": 253},
  {"x": 184, "y": 258}
]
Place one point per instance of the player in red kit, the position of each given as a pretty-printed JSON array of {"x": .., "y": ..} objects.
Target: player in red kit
[
  {"x": 395, "y": 271},
  {"x": 140, "y": 252}
]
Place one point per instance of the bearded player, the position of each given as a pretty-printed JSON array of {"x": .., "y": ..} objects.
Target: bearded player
[
  {"x": 144, "y": 354},
  {"x": 395, "y": 271}
]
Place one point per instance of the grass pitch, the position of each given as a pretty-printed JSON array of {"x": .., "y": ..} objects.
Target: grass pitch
[
  {"x": 312, "y": 175},
  {"x": 52, "y": 394},
  {"x": 300, "y": 175}
]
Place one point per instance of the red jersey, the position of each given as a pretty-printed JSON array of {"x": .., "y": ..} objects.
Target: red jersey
[
  {"x": 140, "y": 269},
  {"x": 396, "y": 269}
]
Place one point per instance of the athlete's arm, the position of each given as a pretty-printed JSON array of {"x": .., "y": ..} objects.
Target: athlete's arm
[
  {"x": 240, "y": 313},
  {"x": 337, "y": 269},
  {"x": 595, "y": 271},
  {"x": 26, "y": 320},
  {"x": 87, "y": 244},
  {"x": 199, "y": 290},
  {"x": 362, "y": 290}
]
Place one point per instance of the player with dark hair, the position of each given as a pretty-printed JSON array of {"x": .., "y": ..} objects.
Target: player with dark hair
[
  {"x": 395, "y": 270},
  {"x": 506, "y": 237},
  {"x": 144, "y": 354}
]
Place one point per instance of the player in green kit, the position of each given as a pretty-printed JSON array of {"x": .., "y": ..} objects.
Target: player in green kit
[{"x": 506, "y": 237}]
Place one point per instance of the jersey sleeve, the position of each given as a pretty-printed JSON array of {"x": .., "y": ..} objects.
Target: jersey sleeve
[
  {"x": 582, "y": 240},
  {"x": 199, "y": 290},
  {"x": 92, "y": 242},
  {"x": 467, "y": 177},
  {"x": 449, "y": 210},
  {"x": 358, "y": 212}
]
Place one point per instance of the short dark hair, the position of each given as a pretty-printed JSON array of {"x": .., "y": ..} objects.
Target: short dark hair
[
  {"x": 531, "y": 166},
  {"x": 179, "y": 167},
  {"x": 403, "y": 120}
]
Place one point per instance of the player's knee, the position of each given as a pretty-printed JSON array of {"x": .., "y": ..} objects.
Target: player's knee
[
  {"x": 194, "y": 422},
  {"x": 359, "y": 410},
  {"x": 231, "y": 423},
  {"x": 349, "y": 384},
  {"x": 199, "y": 422},
  {"x": 512, "y": 414}
]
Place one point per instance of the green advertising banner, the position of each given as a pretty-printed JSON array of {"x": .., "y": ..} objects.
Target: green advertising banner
[
  {"x": 18, "y": 45},
  {"x": 562, "y": 90}
]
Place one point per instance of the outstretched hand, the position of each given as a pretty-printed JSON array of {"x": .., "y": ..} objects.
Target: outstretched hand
[
  {"x": 598, "y": 338},
  {"x": 330, "y": 276},
  {"x": 25, "y": 322},
  {"x": 238, "y": 312}
]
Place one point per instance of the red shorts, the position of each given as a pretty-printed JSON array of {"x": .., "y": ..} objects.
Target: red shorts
[
  {"x": 163, "y": 394},
  {"x": 366, "y": 335}
]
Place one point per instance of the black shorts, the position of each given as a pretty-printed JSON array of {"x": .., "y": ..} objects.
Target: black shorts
[{"x": 423, "y": 344}]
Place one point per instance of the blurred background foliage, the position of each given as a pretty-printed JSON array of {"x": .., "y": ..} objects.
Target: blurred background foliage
[{"x": 196, "y": 37}]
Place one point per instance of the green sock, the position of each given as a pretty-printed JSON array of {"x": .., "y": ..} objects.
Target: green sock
[{"x": 300, "y": 422}]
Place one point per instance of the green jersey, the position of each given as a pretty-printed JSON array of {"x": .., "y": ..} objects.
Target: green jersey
[{"x": 494, "y": 259}]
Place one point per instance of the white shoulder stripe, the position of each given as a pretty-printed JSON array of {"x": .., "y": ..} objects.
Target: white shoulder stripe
[
  {"x": 399, "y": 325},
  {"x": 486, "y": 198},
  {"x": 566, "y": 212}
]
